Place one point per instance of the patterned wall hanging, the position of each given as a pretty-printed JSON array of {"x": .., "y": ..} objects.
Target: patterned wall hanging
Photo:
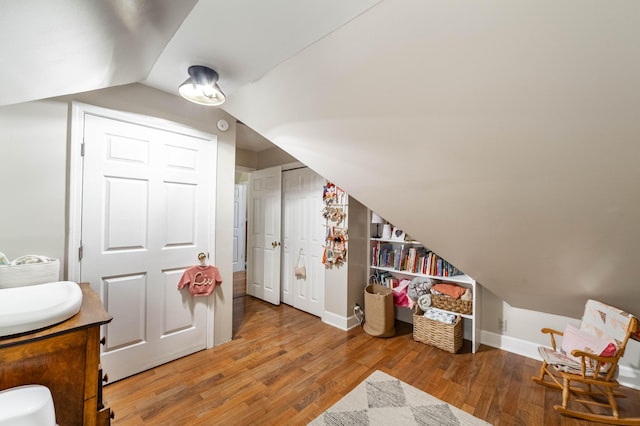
[{"x": 335, "y": 215}]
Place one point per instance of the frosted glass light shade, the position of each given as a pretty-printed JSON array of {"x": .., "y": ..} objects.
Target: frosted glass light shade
[{"x": 202, "y": 87}]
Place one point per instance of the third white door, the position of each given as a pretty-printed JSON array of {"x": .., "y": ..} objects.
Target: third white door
[{"x": 303, "y": 233}]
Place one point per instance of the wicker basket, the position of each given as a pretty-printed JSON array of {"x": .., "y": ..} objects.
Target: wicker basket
[
  {"x": 450, "y": 304},
  {"x": 447, "y": 337}
]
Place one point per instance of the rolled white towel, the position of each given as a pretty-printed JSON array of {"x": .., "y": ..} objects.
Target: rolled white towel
[{"x": 424, "y": 301}]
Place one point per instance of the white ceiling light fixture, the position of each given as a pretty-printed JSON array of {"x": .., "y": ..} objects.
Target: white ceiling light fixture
[{"x": 202, "y": 87}]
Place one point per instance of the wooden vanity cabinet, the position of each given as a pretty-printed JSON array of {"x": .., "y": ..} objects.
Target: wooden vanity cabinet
[{"x": 66, "y": 359}]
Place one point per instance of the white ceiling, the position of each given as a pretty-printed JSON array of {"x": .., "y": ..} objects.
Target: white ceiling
[
  {"x": 504, "y": 134},
  {"x": 247, "y": 138},
  {"x": 244, "y": 39},
  {"x": 54, "y": 48}
]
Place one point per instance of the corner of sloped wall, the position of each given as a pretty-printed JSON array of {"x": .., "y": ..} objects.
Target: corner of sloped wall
[
  {"x": 274, "y": 157},
  {"x": 358, "y": 262}
]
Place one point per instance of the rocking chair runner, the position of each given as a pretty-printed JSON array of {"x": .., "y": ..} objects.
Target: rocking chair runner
[{"x": 579, "y": 372}]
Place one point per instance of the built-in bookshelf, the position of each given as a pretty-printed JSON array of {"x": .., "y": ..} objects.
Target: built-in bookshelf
[{"x": 391, "y": 260}]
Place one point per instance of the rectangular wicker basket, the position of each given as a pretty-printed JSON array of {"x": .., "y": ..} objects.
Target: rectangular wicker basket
[
  {"x": 447, "y": 337},
  {"x": 450, "y": 304}
]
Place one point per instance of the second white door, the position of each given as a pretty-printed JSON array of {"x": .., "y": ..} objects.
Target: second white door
[{"x": 263, "y": 256}]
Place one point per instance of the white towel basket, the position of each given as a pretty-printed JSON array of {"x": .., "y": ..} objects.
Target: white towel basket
[{"x": 45, "y": 271}]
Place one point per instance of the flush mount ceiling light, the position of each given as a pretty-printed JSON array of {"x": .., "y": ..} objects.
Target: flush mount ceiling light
[{"x": 201, "y": 87}]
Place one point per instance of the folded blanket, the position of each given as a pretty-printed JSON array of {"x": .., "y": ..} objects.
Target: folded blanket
[
  {"x": 437, "y": 315},
  {"x": 452, "y": 290},
  {"x": 418, "y": 287}
]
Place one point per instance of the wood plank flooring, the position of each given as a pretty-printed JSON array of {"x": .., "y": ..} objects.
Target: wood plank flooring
[
  {"x": 239, "y": 283},
  {"x": 285, "y": 367}
]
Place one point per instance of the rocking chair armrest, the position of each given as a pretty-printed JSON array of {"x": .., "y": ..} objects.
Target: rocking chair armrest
[
  {"x": 599, "y": 362},
  {"x": 598, "y": 358},
  {"x": 551, "y": 332}
]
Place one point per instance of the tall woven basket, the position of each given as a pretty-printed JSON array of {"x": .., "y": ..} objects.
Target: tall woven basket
[
  {"x": 447, "y": 337},
  {"x": 379, "y": 315}
]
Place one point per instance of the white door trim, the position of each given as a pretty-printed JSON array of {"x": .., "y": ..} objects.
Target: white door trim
[
  {"x": 239, "y": 227},
  {"x": 78, "y": 111}
]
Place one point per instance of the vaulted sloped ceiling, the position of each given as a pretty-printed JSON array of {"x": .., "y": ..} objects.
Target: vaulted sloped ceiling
[
  {"x": 52, "y": 48},
  {"x": 504, "y": 135}
]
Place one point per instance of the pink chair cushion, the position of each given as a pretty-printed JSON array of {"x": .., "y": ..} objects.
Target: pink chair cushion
[{"x": 577, "y": 339}]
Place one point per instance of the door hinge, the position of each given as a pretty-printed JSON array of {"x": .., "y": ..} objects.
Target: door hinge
[
  {"x": 82, "y": 149},
  {"x": 80, "y": 252}
]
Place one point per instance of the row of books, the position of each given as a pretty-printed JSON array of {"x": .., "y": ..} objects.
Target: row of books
[
  {"x": 414, "y": 259},
  {"x": 386, "y": 279}
]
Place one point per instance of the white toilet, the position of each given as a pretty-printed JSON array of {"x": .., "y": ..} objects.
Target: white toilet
[{"x": 29, "y": 405}]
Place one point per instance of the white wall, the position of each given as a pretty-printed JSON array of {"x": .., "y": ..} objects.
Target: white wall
[
  {"x": 33, "y": 184},
  {"x": 33, "y": 141},
  {"x": 523, "y": 336},
  {"x": 510, "y": 150},
  {"x": 274, "y": 157},
  {"x": 247, "y": 159},
  {"x": 358, "y": 254},
  {"x": 34, "y": 163},
  {"x": 503, "y": 133}
]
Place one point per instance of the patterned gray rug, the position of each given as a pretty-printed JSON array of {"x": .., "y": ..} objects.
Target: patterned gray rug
[{"x": 384, "y": 400}]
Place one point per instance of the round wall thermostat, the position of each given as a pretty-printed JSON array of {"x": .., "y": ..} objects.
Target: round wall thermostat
[{"x": 223, "y": 125}]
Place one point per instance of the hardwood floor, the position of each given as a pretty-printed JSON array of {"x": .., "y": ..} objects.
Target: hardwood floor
[
  {"x": 239, "y": 283},
  {"x": 286, "y": 367}
]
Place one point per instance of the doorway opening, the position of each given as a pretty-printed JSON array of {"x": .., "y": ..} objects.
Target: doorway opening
[{"x": 299, "y": 203}]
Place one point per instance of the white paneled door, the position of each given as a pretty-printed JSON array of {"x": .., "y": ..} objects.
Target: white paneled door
[
  {"x": 147, "y": 192},
  {"x": 303, "y": 235},
  {"x": 264, "y": 244}
]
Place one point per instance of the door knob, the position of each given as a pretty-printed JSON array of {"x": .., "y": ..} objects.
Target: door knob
[{"x": 275, "y": 244}]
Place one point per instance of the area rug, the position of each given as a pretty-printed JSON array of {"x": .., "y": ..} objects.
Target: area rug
[{"x": 384, "y": 400}]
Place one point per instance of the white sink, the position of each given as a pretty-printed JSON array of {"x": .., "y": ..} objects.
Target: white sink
[
  {"x": 32, "y": 307},
  {"x": 28, "y": 405}
]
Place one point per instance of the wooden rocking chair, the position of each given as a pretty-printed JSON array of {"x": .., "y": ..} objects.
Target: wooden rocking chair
[{"x": 582, "y": 368}]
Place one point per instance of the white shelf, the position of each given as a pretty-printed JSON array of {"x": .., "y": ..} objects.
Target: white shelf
[
  {"x": 387, "y": 240},
  {"x": 463, "y": 279},
  {"x": 472, "y": 323}
]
